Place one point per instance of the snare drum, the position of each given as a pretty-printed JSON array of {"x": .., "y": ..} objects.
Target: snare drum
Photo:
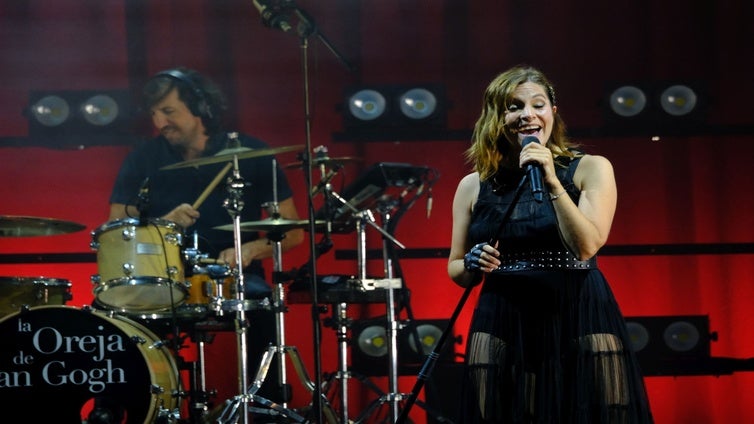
[
  {"x": 140, "y": 266},
  {"x": 32, "y": 291},
  {"x": 69, "y": 359}
]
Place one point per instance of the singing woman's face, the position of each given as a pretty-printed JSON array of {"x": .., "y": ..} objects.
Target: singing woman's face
[{"x": 530, "y": 113}]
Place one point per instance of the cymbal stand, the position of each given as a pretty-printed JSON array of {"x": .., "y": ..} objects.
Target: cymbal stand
[
  {"x": 234, "y": 204},
  {"x": 240, "y": 405},
  {"x": 280, "y": 348}
]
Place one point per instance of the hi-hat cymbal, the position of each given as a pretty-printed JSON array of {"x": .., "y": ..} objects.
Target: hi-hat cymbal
[
  {"x": 30, "y": 226},
  {"x": 273, "y": 224},
  {"x": 329, "y": 162},
  {"x": 227, "y": 155}
]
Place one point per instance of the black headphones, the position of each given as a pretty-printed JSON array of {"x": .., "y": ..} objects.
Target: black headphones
[{"x": 202, "y": 109}]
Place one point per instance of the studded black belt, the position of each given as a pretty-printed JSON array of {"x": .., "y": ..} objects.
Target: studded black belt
[{"x": 542, "y": 260}]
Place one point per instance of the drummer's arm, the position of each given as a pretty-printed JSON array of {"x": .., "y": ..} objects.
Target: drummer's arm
[
  {"x": 184, "y": 214},
  {"x": 121, "y": 211}
]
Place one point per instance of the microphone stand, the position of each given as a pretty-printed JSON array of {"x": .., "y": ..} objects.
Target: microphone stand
[
  {"x": 429, "y": 363},
  {"x": 305, "y": 28}
]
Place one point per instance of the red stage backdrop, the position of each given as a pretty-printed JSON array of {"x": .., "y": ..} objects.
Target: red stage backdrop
[{"x": 683, "y": 236}]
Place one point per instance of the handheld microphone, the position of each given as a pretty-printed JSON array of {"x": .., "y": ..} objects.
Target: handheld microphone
[
  {"x": 534, "y": 171},
  {"x": 272, "y": 18}
]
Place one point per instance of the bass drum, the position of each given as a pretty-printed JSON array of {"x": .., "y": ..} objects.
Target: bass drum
[{"x": 59, "y": 362}]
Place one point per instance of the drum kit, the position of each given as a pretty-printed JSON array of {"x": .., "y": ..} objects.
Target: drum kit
[{"x": 119, "y": 358}]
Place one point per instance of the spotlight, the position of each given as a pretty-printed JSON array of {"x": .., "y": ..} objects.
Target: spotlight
[
  {"x": 372, "y": 341},
  {"x": 638, "y": 334},
  {"x": 628, "y": 100},
  {"x": 671, "y": 345},
  {"x": 394, "y": 112},
  {"x": 418, "y": 103},
  {"x": 678, "y": 100},
  {"x": 367, "y": 105},
  {"x": 66, "y": 118},
  {"x": 369, "y": 353},
  {"x": 681, "y": 336},
  {"x": 428, "y": 336},
  {"x": 100, "y": 110},
  {"x": 51, "y": 111}
]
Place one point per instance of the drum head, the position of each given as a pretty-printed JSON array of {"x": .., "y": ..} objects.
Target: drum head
[{"x": 57, "y": 359}]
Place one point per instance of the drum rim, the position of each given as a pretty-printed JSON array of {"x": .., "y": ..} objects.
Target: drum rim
[
  {"x": 111, "y": 225},
  {"x": 47, "y": 281}
]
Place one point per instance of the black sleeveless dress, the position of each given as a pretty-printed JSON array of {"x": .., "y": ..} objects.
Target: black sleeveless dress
[{"x": 547, "y": 341}]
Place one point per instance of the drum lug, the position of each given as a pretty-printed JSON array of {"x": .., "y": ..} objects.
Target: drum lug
[
  {"x": 137, "y": 339},
  {"x": 128, "y": 269},
  {"x": 129, "y": 233},
  {"x": 96, "y": 279},
  {"x": 172, "y": 271},
  {"x": 174, "y": 238},
  {"x": 94, "y": 245}
]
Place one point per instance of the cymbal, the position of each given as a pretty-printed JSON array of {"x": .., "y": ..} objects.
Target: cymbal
[
  {"x": 30, "y": 226},
  {"x": 226, "y": 155},
  {"x": 324, "y": 161},
  {"x": 273, "y": 224}
]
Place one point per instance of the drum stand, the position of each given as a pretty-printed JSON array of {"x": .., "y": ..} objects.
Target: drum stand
[{"x": 389, "y": 283}]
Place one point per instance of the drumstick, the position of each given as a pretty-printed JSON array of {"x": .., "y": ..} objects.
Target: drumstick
[{"x": 211, "y": 186}]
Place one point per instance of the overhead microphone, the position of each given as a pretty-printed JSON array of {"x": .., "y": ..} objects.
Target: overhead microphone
[
  {"x": 326, "y": 180},
  {"x": 272, "y": 17},
  {"x": 534, "y": 171}
]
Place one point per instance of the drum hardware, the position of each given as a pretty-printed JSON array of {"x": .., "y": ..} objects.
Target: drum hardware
[
  {"x": 240, "y": 406},
  {"x": 372, "y": 191},
  {"x": 30, "y": 226}
]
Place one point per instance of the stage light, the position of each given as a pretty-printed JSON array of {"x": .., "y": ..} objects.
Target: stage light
[
  {"x": 370, "y": 350},
  {"x": 66, "y": 118},
  {"x": 394, "y": 112},
  {"x": 681, "y": 336},
  {"x": 678, "y": 100},
  {"x": 427, "y": 335},
  {"x": 366, "y": 105},
  {"x": 372, "y": 341},
  {"x": 671, "y": 345},
  {"x": 653, "y": 109},
  {"x": 51, "y": 111},
  {"x": 418, "y": 103},
  {"x": 628, "y": 100},
  {"x": 100, "y": 110}
]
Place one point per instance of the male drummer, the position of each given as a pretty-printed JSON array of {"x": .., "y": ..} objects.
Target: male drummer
[{"x": 188, "y": 110}]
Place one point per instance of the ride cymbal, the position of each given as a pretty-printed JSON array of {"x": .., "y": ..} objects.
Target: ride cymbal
[
  {"x": 227, "y": 155},
  {"x": 30, "y": 226},
  {"x": 273, "y": 224},
  {"x": 329, "y": 162}
]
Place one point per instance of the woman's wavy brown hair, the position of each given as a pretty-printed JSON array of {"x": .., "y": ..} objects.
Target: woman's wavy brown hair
[{"x": 492, "y": 144}]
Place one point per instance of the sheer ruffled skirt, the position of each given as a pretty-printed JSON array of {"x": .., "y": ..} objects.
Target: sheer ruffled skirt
[{"x": 554, "y": 352}]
